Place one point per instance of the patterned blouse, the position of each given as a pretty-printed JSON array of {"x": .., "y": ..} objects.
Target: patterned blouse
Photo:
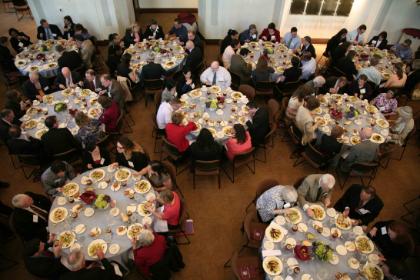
[
  {"x": 269, "y": 201},
  {"x": 385, "y": 105}
]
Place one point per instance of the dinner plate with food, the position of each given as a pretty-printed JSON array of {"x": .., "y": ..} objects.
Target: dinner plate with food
[
  {"x": 355, "y": 139},
  {"x": 317, "y": 111},
  {"x": 215, "y": 89},
  {"x": 94, "y": 112},
  {"x": 350, "y": 246},
  {"x": 122, "y": 174},
  {"x": 142, "y": 186},
  {"x": 382, "y": 123},
  {"x": 40, "y": 132},
  {"x": 70, "y": 189},
  {"x": 134, "y": 230},
  {"x": 364, "y": 244},
  {"x": 94, "y": 246},
  {"x": 319, "y": 212},
  {"x": 293, "y": 215},
  {"x": 195, "y": 93},
  {"x": 353, "y": 263},
  {"x": 29, "y": 124},
  {"x": 272, "y": 265},
  {"x": 85, "y": 92},
  {"x": 80, "y": 228},
  {"x": 142, "y": 208},
  {"x": 275, "y": 232},
  {"x": 66, "y": 239},
  {"x": 343, "y": 222},
  {"x": 97, "y": 174},
  {"x": 114, "y": 249},
  {"x": 341, "y": 250},
  {"x": 372, "y": 272},
  {"x": 58, "y": 214},
  {"x": 115, "y": 211}
]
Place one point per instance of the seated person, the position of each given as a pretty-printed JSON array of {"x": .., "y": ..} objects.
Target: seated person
[
  {"x": 240, "y": 67},
  {"x": 30, "y": 216},
  {"x": 386, "y": 103},
  {"x": 179, "y": 31},
  {"x": 335, "y": 85},
  {"x": 305, "y": 121},
  {"x": 398, "y": 79},
  {"x": 307, "y": 46},
  {"x": 56, "y": 176},
  {"x": 176, "y": 132},
  {"x": 157, "y": 173},
  {"x": 230, "y": 36},
  {"x": 115, "y": 50},
  {"x": 185, "y": 82},
  {"x": 297, "y": 100},
  {"x": 270, "y": 34},
  {"x": 110, "y": 114},
  {"x": 130, "y": 154},
  {"x": 79, "y": 269},
  {"x": 403, "y": 51},
  {"x": 404, "y": 124},
  {"x": 363, "y": 203},
  {"x": 379, "y": 41},
  {"x": 194, "y": 57},
  {"x": 79, "y": 29},
  {"x": 328, "y": 145},
  {"x": 40, "y": 262},
  {"x": 68, "y": 79},
  {"x": 68, "y": 28},
  {"x": 124, "y": 70},
  {"x": 346, "y": 65},
  {"x": 152, "y": 70},
  {"x": 70, "y": 59},
  {"x": 229, "y": 51},
  {"x": 20, "y": 144},
  {"x": 360, "y": 88},
  {"x": 249, "y": 35},
  {"x": 172, "y": 208},
  {"x": 262, "y": 72},
  {"x": 86, "y": 49},
  {"x": 259, "y": 125},
  {"x": 7, "y": 118},
  {"x": 355, "y": 37},
  {"x": 275, "y": 201},
  {"x": 36, "y": 87},
  {"x": 315, "y": 188},
  {"x": 365, "y": 151},
  {"x": 205, "y": 148},
  {"x": 95, "y": 156},
  {"x": 148, "y": 249},
  {"x": 371, "y": 72},
  {"x": 48, "y": 31},
  {"x": 316, "y": 83},
  {"x": 293, "y": 73},
  {"x": 89, "y": 129},
  {"x": 292, "y": 40},
  {"x": 19, "y": 40},
  {"x": 133, "y": 35},
  {"x": 92, "y": 81},
  {"x": 192, "y": 36},
  {"x": 308, "y": 66},
  {"x": 169, "y": 92},
  {"x": 113, "y": 89},
  {"x": 153, "y": 31},
  {"x": 216, "y": 75},
  {"x": 165, "y": 111},
  {"x": 239, "y": 143},
  {"x": 17, "y": 103},
  {"x": 57, "y": 140}
]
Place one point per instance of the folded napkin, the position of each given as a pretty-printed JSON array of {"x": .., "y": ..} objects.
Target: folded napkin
[{"x": 267, "y": 253}]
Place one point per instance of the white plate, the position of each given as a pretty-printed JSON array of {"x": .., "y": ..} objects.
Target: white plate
[
  {"x": 350, "y": 246},
  {"x": 334, "y": 259},
  {"x": 306, "y": 277},
  {"x": 268, "y": 245},
  {"x": 353, "y": 263},
  {"x": 374, "y": 258},
  {"x": 280, "y": 220},
  {"x": 114, "y": 249},
  {"x": 358, "y": 230},
  {"x": 147, "y": 220},
  {"x": 122, "y": 231},
  {"x": 326, "y": 232},
  {"x": 80, "y": 228},
  {"x": 75, "y": 246},
  {"x": 291, "y": 262},
  {"x": 114, "y": 211},
  {"x": 331, "y": 212},
  {"x": 102, "y": 185},
  {"x": 341, "y": 250},
  {"x": 302, "y": 227},
  {"x": 61, "y": 201},
  {"x": 131, "y": 208},
  {"x": 89, "y": 212}
]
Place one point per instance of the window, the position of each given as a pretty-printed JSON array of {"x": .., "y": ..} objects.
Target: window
[{"x": 321, "y": 7}]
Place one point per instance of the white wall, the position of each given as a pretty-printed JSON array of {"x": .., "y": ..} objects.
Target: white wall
[
  {"x": 168, "y": 3},
  {"x": 100, "y": 17}
]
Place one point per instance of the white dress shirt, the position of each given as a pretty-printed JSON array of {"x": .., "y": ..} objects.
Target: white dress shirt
[
  {"x": 164, "y": 115},
  {"x": 308, "y": 68},
  {"x": 223, "y": 78},
  {"x": 227, "y": 56},
  {"x": 351, "y": 37}
]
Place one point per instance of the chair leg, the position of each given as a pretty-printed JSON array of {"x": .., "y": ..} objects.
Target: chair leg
[
  {"x": 227, "y": 174},
  {"x": 187, "y": 240},
  {"x": 218, "y": 179},
  {"x": 194, "y": 180},
  {"x": 298, "y": 161},
  {"x": 402, "y": 153}
]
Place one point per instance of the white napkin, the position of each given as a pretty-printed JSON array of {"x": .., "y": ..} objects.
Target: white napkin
[{"x": 267, "y": 253}]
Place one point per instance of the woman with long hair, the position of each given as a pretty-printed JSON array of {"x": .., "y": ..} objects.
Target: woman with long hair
[
  {"x": 262, "y": 72},
  {"x": 158, "y": 174},
  {"x": 230, "y": 36},
  {"x": 130, "y": 154},
  {"x": 239, "y": 143},
  {"x": 68, "y": 27},
  {"x": 205, "y": 147},
  {"x": 133, "y": 35},
  {"x": 379, "y": 41},
  {"x": 335, "y": 40}
]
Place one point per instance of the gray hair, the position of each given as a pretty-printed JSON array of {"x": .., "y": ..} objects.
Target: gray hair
[
  {"x": 289, "y": 194},
  {"x": 319, "y": 81},
  {"x": 327, "y": 180},
  {"x": 145, "y": 238},
  {"x": 17, "y": 200}
]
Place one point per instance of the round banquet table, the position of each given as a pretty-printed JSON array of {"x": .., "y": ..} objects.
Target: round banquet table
[
  {"x": 75, "y": 99},
  {"x": 368, "y": 116},
  {"x": 169, "y": 53},
  {"x": 279, "y": 55},
  {"x": 102, "y": 218},
  {"x": 385, "y": 65},
  {"x": 42, "y": 57},
  {"x": 317, "y": 269},
  {"x": 218, "y": 120}
]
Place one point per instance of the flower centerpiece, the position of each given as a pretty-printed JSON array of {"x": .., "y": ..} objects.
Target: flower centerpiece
[
  {"x": 102, "y": 201},
  {"x": 351, "y": 113},
  {"x": 336, "y": 114},
  {"x": 322, "y": 251}
]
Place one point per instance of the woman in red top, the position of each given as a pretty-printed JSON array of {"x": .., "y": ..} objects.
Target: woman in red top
[
  {"x": 238, "y": 144},
  {"x": 270, "y": 33},
  {"x": 110, "y": 114},
  {"x": 171, "y": 208},
  {"x": 148, "y": 250},
  {"x": 176, "y": 132}
]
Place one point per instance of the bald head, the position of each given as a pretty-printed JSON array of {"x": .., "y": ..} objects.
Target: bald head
[
  {"x": 319, "y": 81},
  {"x": 214, "y": 66},
  {"x": 327, "y": 182},
  {"x": 189, "y": 45},
  {"x": 366, "y": 133},
  {"x": 22, "y": 201},
  {"x": 66, "y": 72}
]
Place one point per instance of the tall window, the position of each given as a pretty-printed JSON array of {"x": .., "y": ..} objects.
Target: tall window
[{"x": 321, "y": 7}]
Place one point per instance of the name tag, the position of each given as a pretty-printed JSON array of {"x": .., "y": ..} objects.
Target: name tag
[
  {"x": 35, "y": 218},
  {"x": 102, "y": 160},
  {"x": 131, "y": 164},
  {"x": 253, "y": 36},
  {"x": 287, "y": 205},
  {"x": 362, "y": 91},
  {"x": 55, "y": 35},
  {"x": 46, "y": 88},
  {"x": 382, "y": 109},
  {"x": 374, "y": 42},
  {"x": 383, "y": 230},
  {"x": 363, "y": 211},
  {"x": 20, "y": 44}
]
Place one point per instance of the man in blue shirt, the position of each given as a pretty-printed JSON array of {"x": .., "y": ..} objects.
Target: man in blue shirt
[
  {"x": 403, "y": 51},
  {"x": 291, "y": 39},
  {"x": 180, "y": 31}
]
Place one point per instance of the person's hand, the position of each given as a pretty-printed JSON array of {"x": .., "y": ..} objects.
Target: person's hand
[
  {"x": 122, "y": 44},
  {"x": 59, "y": 189},
  {"x": 51, "y": 237},
  {"x": 39, "y": 97},
  {"x": 61, "y": 86},
  {"x": 89, "y": 166},
  {"x": 114, "y": 165},
  {"x": 373, "y": 231},
  {"x": 189, "y": 82},
  {"x": 332, "y": 90},
  {"x": 57, "y": 249},
  {"x": 327, "y": 202},
  {"x": 100, "y": 253},
  {"x": 355, "y": 222},
  {"x": 309, "y": 212},
  {"x": 364, "y": 228},
  {"x": 264, "y": 37},
  {"x": 102, "y": 92}
]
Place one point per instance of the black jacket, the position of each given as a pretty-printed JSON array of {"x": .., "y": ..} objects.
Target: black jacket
[
  {"x": 194, "y": 58},
  {"x": 92, "y": 273},
  {"x": 94, "y": 86},
  {"x": 87, "y": 158},
  {"x": 15, "y": 107},
  {"x": 6, "y": 60},
  {"x": 329, "y": 146},
  {"x": 259, "y": 127},
  {"x": 61, "y": 80},
  {"x": 353, "y": 89},
  {"x": 15, "y": 42},
  {"x": 129, "y": 38},
  {"x": 338, "y": 53},
  {"x": 70, "y": 59},
  {"x": 332, "y": 44},
  {"x": 211, "y": 153},
  {"x": 30, "y": 91},
  {"x": 346, "y": 65},
  {"x": 4, "y": 131},
  {"x": 138, "y": 160},
  {"x": 351, "y": 198},
  {"x": 381, "y": 46},
  {"x": 23, "y": 221},
  {"x": 24, "y": 147},
  {"x": 54, "y": 30},
  {"x": 292, "y": 74},
  {"x": 182, "y": 87},
  {"x": 310, "y": 48},
  {"x": 152, "y": 71},
  {"x": 58, "y": 140},
  {"x": 69, "y": 33},
  {"x": 148, "y": 32},
  {"x": 45, "y": 265}
]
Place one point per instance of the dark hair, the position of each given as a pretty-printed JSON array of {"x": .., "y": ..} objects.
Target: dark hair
[
  {"x": 158, "y": 167},
  {"x": 105, "y": 101},
  {"x": 369, "y": 190},
  {"x": 337, "y": 131},
  {"x": 346, "y": 45},
  {"x": 169, "y": 84},
  {"x": 205, "y": 138},
  {"x": 5, "y": 113},
  {"x": 303, "y": 91},
  {"x": 13, "y": 30},
  {"x": 79, "y": 27},
  {"x": 374, "y": 60},
  {"x": 407, "y": 42},
  {"x": 312, "y": 103},
  {"x": 90, "y": 145},
  {"x": 42, "y": 21},
  {"x": 340, "y": 33},
  {"x": 294, "y": 29},
  {"x": 112, "y": 36},
  {"x": 240, "y": 133},
  {"x": 306, "y": 55},
  {"x": 363, "y": 77},
  {"x": 153, "y": 21},
  {"x": 12, "y": 94},
  {"x": 90, "y": 72},
  {"x": 362, "y": 27},
  {"x": 58, "y": 166},
  {"x": 68, "y": 18},
  {"x": 59, "y": 48},
  {"x": 232, "y": 32},
  {"x": 262, "y": 64},
  {"x": 309, "y": 39},
  {"x": 185, "y": 70},
  {"x": 253, "y": 105},
  {"x": 244, "y": 51},
  {"x": 399, "y": 70},
  {"x": 106, "y": 77},
  {"x": 403, "y": 237},
  {"x": 295, "y": 61},
  {"x": 234, "y": 43},
  {"x": 272, "y": 25},
  {"x": 351, "y": 54},
  {"x": 126, "y": 58},
  {"x": 384, "y": 34},
  {"x": 79, "y": 37},
  {"x": 3, "y": 39},
  {"x": 126, "y": 142},
  {"x": 50, "y": 121},
  {"x": 15, "y": 131},
  {"x": 177, "y": 118}
]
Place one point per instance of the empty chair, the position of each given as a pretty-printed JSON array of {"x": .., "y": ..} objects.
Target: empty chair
[
  {"x": 248, "y": 91},
  {"x": 206, "y": 168},
  {"x": 152, "y": 87},
  {"x": 243, "y": 159}
]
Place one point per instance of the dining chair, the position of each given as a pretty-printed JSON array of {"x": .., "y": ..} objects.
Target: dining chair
[
  {"x": 179, "y": 230},
  {"x": 247, "y": 266},
  {"x": 157, "y": 134},
  {"x": 235, "y": 81},
  {"x": 362, "y": 170},
  {"x": 205, "y": 168},
  {"x": 152, "y": 87},
  {"x": 313, "y": 156},
  {"x": 296, "y": 137},
  {"x": 29, "y": 161},
  {"x": 173, "y": 155},
  {"x": 288, "y": 88},
  {"x": 268, "y": 143},
  {"x": 263, "y": 186},
  {"x": 71, "y": 156},
  {"x": 242, "y": 159},
  {"x": 254, "y": 230},
  {"x": 264, "y": 88},
  {"x": 248, "y": 91},
  {"x": 171, "y": 168}
]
